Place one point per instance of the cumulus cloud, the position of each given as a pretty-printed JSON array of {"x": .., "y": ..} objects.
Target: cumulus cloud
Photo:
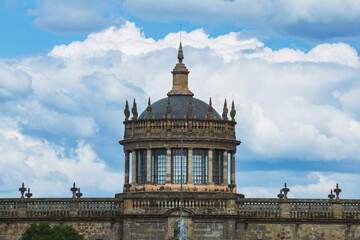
[
  {"x": 13, "y": 82},
  {"x": 49, "y": 169},
  {"x": 267, "y": 184},
  {"x": 290, "y": 104},
  {"x": 314, "y": 19}
]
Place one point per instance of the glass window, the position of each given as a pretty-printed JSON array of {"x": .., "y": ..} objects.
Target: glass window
[
  {"x": 217, "y": 167},
  {"x": 200, "y": 166},
  {"x": 158, "y": 166},
  {"x": 141, "y": 166},
  {"x": 176, "y": 166}
]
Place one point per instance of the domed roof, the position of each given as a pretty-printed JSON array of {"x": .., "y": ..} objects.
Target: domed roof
[{"x": 179, "y": 108}]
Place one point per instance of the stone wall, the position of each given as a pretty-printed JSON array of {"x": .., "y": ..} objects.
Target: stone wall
[
  {"x": 90, "y": 230},
  {"x": 197, "y": 228},
  {"x": 296, "y": 231}
]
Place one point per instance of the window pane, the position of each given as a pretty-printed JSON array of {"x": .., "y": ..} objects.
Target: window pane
[
  {"x": 200, "y": 165},
  {"x": 159, "y": 161},
  {"x": 141, "y": 166},
  {"x": 217, "y": 167},
  {"x": 176, "y": 166}
]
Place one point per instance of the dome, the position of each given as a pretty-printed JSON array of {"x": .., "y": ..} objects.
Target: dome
[{"x": 179, "y": 108}]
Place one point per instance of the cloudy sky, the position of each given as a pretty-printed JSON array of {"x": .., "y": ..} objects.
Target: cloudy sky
[{"x": 68, "y": 66}]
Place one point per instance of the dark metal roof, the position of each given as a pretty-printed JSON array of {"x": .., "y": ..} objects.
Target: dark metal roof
[{"x": 179, "y": 108}]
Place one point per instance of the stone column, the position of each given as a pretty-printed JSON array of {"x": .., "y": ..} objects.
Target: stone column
[
  {"x": 225, "y": 168},
  {"x": 148, "y": 166},
  {"x": 233, "y": 168},
  {"x": 189, "y": 171},
  {"x": 168, "y": 166},
  {"x": 133, "y": 168},
  {"x": 127, "y": 153},
  {"x": 210, "y": 168}
]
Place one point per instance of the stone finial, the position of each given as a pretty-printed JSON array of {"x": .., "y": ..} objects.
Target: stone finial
[
  {"x": 285, "y": 190},
  {"x": 225, "y": 111},
  {"x": 233, "y": 111},
  {"x": 180, "y": 77},
  {"x": 331, "y": 195},
  {"x": 168, "y": 109},
  {"x": 180, "y": 53},
  {"x": 126, "y": 111},
  {"x": 22, "y": 190},
  {"x": 280, "y": 195},
  {"x": 28, "y": 194},
  {"x": 149, "y": 109},
  {"x": 210, "y": 109},
  {"x": 337, "y": 191},
  {"x": 190, "y": 109},
  {"x": 134, "y": 111},
  {"x": 79, "y": 194},
  {"x": 73, "y": 190}
]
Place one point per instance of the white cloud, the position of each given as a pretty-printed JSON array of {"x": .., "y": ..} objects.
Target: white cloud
[
  {"x": 290, "y": 104},
  {"x": 13, "y": 82},
  {"x": 75, "y": 15},
  {"x": 315, "y": 19},
  {"x": 49, "y": 169},
  {"x": 267, "y": 184}
]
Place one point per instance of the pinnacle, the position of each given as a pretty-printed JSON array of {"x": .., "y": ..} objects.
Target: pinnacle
[{"x": 180, "y": 53}]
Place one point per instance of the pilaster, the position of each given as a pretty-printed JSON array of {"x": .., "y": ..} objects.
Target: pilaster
[
  {"x": 133, "y": 168},
  {"x": 225, "y": 168},
  {"x": 148, "y": 166},
  {"x": 210, "y": 168},
  {"x": 168, "y": 166},
  {"x": 189, "y": 171}
]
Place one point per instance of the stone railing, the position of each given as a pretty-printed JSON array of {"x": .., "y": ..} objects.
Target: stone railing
[
  {"x": 8, "y": 208},
  {"x": 299, "y": 208},
  {"x": 169, "y": 202},
  {"x": 175, "y": 203},
  {"x": 137, "y": 128},
  {"x": 259, "y": 208},
  {"x": 68, "y": 207},
  {"x": 311, "y": 209},
  {"x": 351, "y": 209},
  {"x": 164, "y": 203}
]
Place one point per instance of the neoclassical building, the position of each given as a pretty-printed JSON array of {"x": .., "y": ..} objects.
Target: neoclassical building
[
  {"x": 180, "y": 131},
  {"x": 182, "y": 141}
]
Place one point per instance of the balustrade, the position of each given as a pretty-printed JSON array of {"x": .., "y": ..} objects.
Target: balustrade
[
  {"x": 60, "y": 208},
  {"x": 134, "y": 126},
  {"x": 175, "y": 203},
  {"x": 8, "y": 209},
  {"x": 311, "y": 210},
  {"x": 351, "y": 210},
  {"x": 259, "y": 208},
  {"x": 247, "y": 208},
  {"x": 47, "y": 208}
]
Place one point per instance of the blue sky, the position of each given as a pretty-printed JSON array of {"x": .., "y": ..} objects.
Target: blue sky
[{"x": 292, "y": 68}]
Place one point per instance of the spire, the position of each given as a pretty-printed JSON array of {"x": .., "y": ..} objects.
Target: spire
[
  {"x": 134, "y": 111},
  {"x": 180, "y": 53},
  {"x": 190, "y": 109},
  {"x": 233, "y": 111},
  {"x": 180, "y": 77},
  {"x": 126, "y": 111},
  {"x": 148, "y": 109},
  {"x": 168, "y": 109},
  {"x": 210, "y": 110},
  {"x": 225, "y": 111}
]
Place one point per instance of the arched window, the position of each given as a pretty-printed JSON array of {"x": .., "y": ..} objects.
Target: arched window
[
  {"x": 217, "y": 167},
  {"x": 176, "y": 166},
  {"x": 200, "y": 166},
  {"x": 158, "y": 166}
]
